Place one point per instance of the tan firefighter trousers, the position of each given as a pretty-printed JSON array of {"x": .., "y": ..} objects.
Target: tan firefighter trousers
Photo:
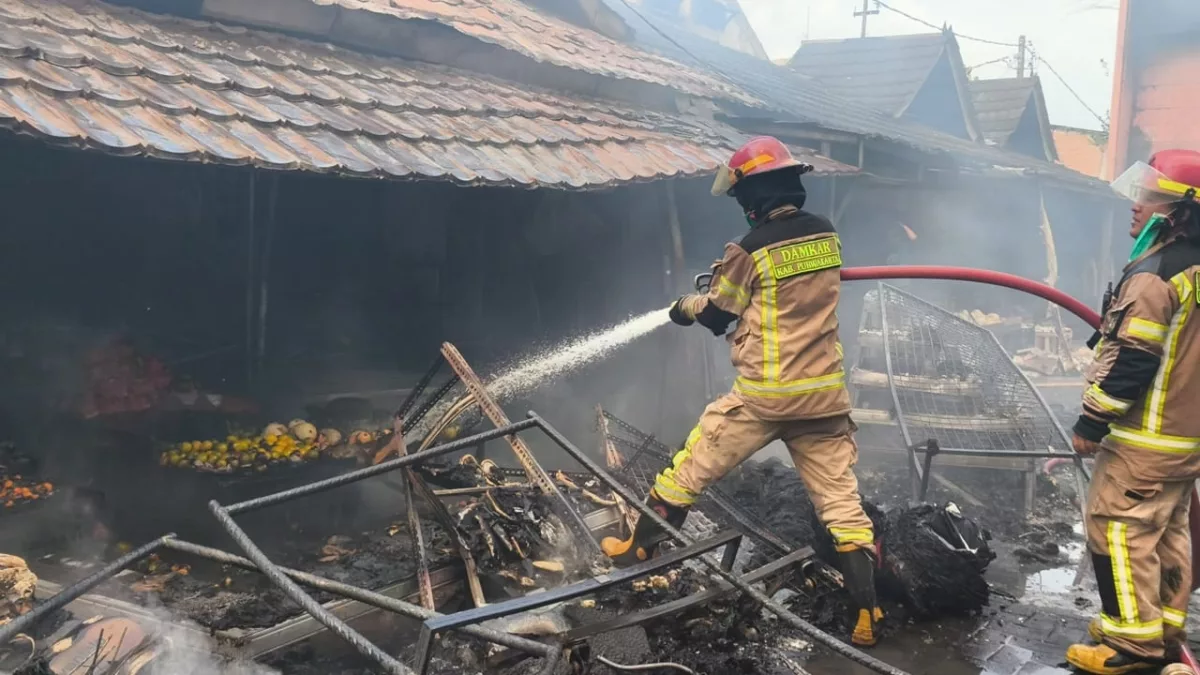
[
  {"x": 1141, "y": 549},
  {"x": 822, "y": 449}
]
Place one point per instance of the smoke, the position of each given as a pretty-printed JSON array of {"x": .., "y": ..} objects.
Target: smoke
[{"x": 184, "y": 649}]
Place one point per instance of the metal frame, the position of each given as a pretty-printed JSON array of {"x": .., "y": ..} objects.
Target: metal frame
[
  {"x": 288, "y": 580},
  {"x": 919, "y": 470},
  {"x": 434, "y": 624},
  {"x": 432, "y": 627},
  {"x": 739, "y": 583},
  {"x": 797, "y": 557}
]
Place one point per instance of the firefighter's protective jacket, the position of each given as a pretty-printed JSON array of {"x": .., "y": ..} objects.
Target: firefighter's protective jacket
[
  {"x": 1143, "y": 388},
  {"x": 781, "y": 284}
]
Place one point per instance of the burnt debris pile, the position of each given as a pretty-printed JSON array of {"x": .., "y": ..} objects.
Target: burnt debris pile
[{"x": 740, "y": 591}]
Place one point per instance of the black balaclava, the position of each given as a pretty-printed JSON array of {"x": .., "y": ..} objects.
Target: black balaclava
[
  {"x": 760, "y": 195},
  {"x": 1186, "y": 216}
]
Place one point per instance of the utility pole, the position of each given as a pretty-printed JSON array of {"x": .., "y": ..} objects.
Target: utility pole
[
  {"x": 866, "y": 12},
  {"x": 1021, "y": 47}
]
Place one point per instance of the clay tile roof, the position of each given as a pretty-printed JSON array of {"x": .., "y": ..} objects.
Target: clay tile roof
[
  {"x": 87, "y": 74},
  {"x": 515, "y": 26}
]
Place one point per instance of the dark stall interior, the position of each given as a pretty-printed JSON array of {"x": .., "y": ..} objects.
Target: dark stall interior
[{"x": 131, "y": 328}]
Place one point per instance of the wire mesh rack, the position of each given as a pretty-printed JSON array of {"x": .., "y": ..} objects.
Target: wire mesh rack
[{"x": 950, "y": 389}]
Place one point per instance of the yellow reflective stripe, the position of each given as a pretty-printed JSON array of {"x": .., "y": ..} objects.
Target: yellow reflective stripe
[
  {"x": 1147, "y": 330},
  {"x": 791, "y": 387},
  {"x": 1131, "y": 629},
  {"x": 665, "y": 484},
  {"x": 1174, "y": 617},
  {"x": 737, "y": 293},
  {"x": 1153, "y": 418},
  {"x": 770, "y": 315},
  {"x": 1105, "y": 402},
  {"x": 670, "y": 491},
  {"x": 1157, "y": 442},
  {"x": 843, "y": 535},
  {"x": 1122, "y": 572}
]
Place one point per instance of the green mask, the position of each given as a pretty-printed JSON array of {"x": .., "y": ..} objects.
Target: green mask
[
  {"x": 1146, "y": 239},
  {"x": 750, "y": 221}
]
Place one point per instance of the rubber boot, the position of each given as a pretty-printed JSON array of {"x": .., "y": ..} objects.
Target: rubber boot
[
  {"x": 1104, "y": 660},
  {"x": 1096, "y": 635},
  {"x": 858, "y": 573},
  {"x": 647, "y": 535}
]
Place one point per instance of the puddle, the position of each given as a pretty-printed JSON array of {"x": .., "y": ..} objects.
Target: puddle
[
  {"x": 918, "y": 649},
  {"x": 1057, "y": 580}
]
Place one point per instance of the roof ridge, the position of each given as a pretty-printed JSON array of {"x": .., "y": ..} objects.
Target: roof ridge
[{"x": 853, "y": 40}]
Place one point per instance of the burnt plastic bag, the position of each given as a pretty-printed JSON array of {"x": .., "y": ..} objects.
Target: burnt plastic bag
[{"x": 934, "y": 559}]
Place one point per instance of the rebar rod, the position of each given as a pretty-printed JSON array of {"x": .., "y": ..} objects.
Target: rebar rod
[
  {"x": 766, "y": 602},
  {"x": 368, "y": 472},
  {"x": 77, "y": 589},
  {"x": 297, "y": 595}
]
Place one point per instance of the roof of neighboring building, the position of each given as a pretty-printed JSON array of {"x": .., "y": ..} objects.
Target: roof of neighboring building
[
  {"x": 1000, "y": 104},
  {"x": 515, "y": 26},
  {"x": 882, "y": 72},
  {"x": 888, "y": 73},
  {"x": 87, "y": 74},
  {"x": 794, "y": 97},
  {"x": 1081, "y": 150}
]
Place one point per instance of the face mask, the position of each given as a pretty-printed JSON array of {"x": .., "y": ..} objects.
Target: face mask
[
  {"x": 750, "y": 221},
  {"x": 1146, "y": 239}
]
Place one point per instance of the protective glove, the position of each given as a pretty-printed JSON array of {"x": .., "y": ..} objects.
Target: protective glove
[{"x": 677, "y": 314}]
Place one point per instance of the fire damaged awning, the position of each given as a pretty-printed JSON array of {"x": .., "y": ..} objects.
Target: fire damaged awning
[{"x": 91, "y": 75}]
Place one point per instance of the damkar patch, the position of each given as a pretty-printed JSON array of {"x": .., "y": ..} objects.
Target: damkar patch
[{"x": 805, "y": 257}]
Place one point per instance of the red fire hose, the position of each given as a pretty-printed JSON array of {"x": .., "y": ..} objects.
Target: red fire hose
[
  {"x": 1043, "y": 291},
  {"x": 979, "y": 276},
  {"x": 1047, "y": 293}
]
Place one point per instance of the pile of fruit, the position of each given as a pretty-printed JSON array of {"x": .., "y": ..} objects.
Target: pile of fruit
[
  {"x": 15, "y": 490},
  {"x": 297, "y": 442}
]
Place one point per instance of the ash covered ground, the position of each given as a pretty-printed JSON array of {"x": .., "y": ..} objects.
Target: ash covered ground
[{"x": 220, "y": 599}]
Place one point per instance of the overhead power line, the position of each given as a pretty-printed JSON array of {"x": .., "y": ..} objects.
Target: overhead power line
[
  {"x": 1003, "y": 59},
  {"x": 960, "y": 36},
  {"x": 1063, "y": 81}
]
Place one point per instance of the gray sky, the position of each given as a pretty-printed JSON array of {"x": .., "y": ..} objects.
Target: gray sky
[{"x": 1076, "y": 37}]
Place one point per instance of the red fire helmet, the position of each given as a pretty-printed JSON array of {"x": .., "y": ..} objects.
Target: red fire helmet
[
  {"x": 761, "y": 154},
  {"x": 1168, "y": 177}
]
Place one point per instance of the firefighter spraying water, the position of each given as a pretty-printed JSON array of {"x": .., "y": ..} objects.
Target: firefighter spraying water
[{"x": 780, "y": 283}]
